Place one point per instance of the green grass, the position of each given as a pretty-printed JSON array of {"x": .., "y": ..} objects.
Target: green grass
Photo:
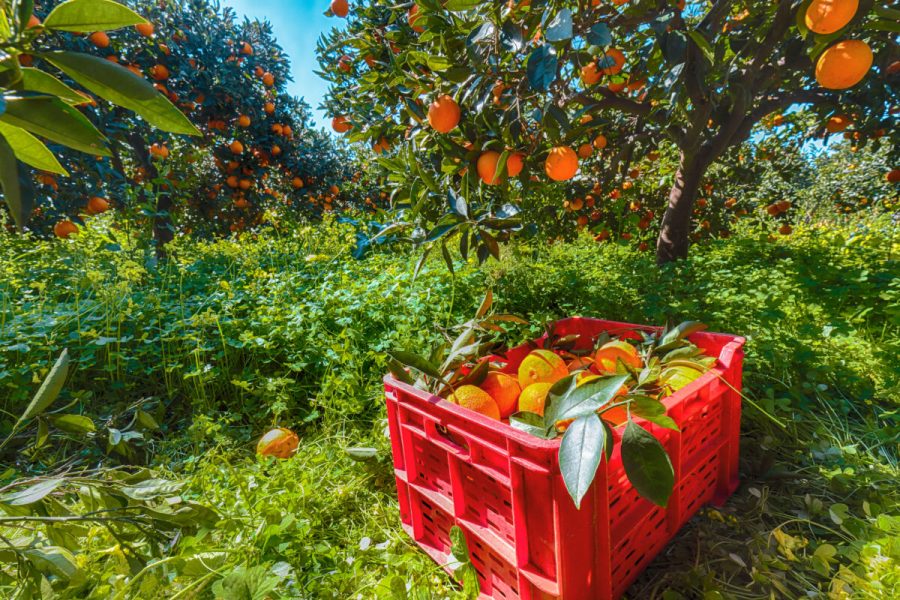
[{"x": 229, "y": 338}]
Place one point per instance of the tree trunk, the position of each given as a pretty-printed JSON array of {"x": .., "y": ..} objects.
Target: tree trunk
[
  {"x": 162, "y": 222},
  {"x": 674, "y": 232}
]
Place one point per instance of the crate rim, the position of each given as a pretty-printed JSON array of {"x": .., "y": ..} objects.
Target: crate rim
[{"x": 729, "y": 349}]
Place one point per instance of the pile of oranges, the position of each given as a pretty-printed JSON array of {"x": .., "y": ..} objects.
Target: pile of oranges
[{"x": 503, "y": 393}]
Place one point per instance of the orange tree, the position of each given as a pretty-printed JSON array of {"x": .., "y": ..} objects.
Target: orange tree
[
  {"x": 488, "y": 108},
  {"x": 257, "y": 151}
]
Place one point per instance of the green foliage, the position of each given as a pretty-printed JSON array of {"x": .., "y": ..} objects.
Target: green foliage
[{"x": 204, "y": 353}]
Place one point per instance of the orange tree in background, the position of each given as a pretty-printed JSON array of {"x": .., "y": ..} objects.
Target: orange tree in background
[
  {"x": 494, "y": 112},
  {"x": 257, "y": 151}
]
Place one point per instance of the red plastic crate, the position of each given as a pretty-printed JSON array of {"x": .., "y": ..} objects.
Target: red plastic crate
[{"x": 503, "y": 487}]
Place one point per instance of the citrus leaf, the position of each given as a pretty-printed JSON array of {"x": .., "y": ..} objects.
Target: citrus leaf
[
  {"x": 152, "y": 488},
  {"x": 647, "y": 465},
  {"x": 560, "y": 28},
  {"x": 35, "y": 80},
  {"x": 50, "y": 388},
  {"x": 55, "y": 120},
  {"x": 31, "y": 494},
  {"x": 12, "y": 189},
  {"x": 531, "y": 423},
  {"x": 120, "y": 86},
  {"x": 53, "y": 560},
  {"x": 31, "y": 150},
  {"x": 73, "y": 423},
  {"x": 584, "y": 399},
  {"x": 579, "y": 455},
  {"x": 416, "y": 362},
  {"x": 91, "y": 15},
  {"x": 541, "y": 68}
]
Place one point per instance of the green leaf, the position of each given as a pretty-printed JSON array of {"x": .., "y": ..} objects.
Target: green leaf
[
  {"x": 120, "y": 86},
  {"x": 461, "y": 5},
  {"x": 55, "y": 120},
  {"x": 35, "y": 80},
  {"x": 703, "y": 44},
  {"x": 647, "y": 465},
  {"x": 680, "y": 332},
  {"x": 73, "y": 423},
  {"x": 416, "y": 362},
  {"x": 31, "y": 494},
  {"x": 559, "y": 29},
  {"x": 532, "y": 423},
  {"x": 584, "y": 399},
  {"x": 31, "y": 150},
  {"x": 541, "y": 68},
  {"x": 91, "y": 15},
  {"x": 152, "y": 488},
  {"x": 12, "y": 189},
  {"x": 361, "y": 453},
  {"x": 399, "y": 373},
  {"x": 50, "y": 388},
  {"x": 652, "y": 410},
  {"x": 579, "y": 455},
  {"x": 53, "y": 560}
]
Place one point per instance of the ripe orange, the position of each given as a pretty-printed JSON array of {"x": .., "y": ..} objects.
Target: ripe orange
[
  {"x": 269, "y": 108},
  {"x": 487, "y": 167},
  {"x": 159, "y": 72},
  {"x": 534, "y": 397},
  {"x": 33, "y": 21},
  {"x": 345, "y": 63},
  {"x": 340, "y": 124},
  {"x": 99, "y": 39},
  {"x": 64, "y": 229},
  {"x": 382, "y": 146},
  {"x": 247, "y": 49},
  {"x": 160, "y": 150},
  {"x": 340, "y": 8},
  {"x": 541, "y": 366},
  {"x": 585, "y": 150},
  {"x": 145, "y": 29},
  {"x": 561, "y": 163},
  {"x": 97, "y": 205},
  {"x": 474, "y": 398},
  {"x": 504, "y": 389},
  {"x": 232, "y": 181},
  {"x": 236, "y": 147},
  {"x": 268, "y": 79},
  {"x": 276, "y": 150},
  {"x": 844, "y": 64},
  {"x": 582, "y": 362},
  {"x": 412, "y": 16},
  {"x": 297, "y": 183},
  {"x": 590, "y": 74},
  {"x": 243, "y": 121},
  {"x": 600, "y": 142},
  {"x": 828, "y": 16},
  {"x": 838, "y": 123},
  {"x": 280, "y": 443},
  {"x": 612, "y": 62},
  {"x": 893, "y": 176},
  {"x": 607, "y": 358},
  {"x": 244, "y": 184},
  {"x": 443, "y": 114},
  {"x": 514, "y": 164}
]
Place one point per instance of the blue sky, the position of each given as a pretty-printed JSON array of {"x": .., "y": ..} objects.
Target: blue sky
[{"x": 297, "y": 25}]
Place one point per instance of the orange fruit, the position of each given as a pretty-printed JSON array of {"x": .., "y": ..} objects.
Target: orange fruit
[
  {"x": 340, "y": 8},
  {"x": 268, "y": 79},
  {"x": 487, "y": 167},
  {"x": 244, "y": 184},
  {"x": 612, "y": 61},
  {"x": 280, "y": 443},
  {"x": 269, "y": 108},
  {"x": 297, "y": 183},
  {"x": 340, "y": 124},
  {"x": 785, "y": 229},
  {"x": 838, "y": 123},
  {"x": 607, "y": 358},
  {"x": 33, "y": 21},
  {"x": 247, "y": 49},
  {"x": 97, "y": 205},
  {"x": 443, "y": 114},
  {"x": 345, "y": 63},
  {"x": 160, "y": 150},
  {"x": 64, "y": 229},
  {"x": 145, "y": 29},
  {"x": 533, "y": 398},
  {"x": 514, "y": 164},
  {"x": 844, "y": 64},
  {"x": 582, "y": 362},
  {"x": 474, "y": 398},
  {"x": 276, "y": 150},
  {"x": 99, "y": 39},
  {"x": 382, "y": 146},
  {"x": 892, "y": 176},
  {"x": 541, "y": 366},
  {"x": 504, "y": 389},
  {"x": 159, "y": 72},
  {"x": 236, "y": 147},
  {"x": 244, "y": 121},
  {"x": 585, "y": 150},
  {"x": 828, "y": 16},
  {"x": 232, "y": 181},
  {"x": 600, "y": 142},
  {"x": 412, "y": 16},
  {"x": 561, "y": 163},
  {"x": 590, "y": 74}
]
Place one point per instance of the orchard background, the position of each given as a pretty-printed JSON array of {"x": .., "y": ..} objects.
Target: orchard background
[{"x": 188, "y": 262}]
